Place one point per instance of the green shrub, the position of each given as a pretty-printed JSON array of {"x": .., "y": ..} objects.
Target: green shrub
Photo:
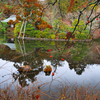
[
  {"x": 30, "y": 30},
  {"x": 52, "y": 36},
  {"x": 9, "y": 6},
  {"x": 62, "y": 35},
  {"x": 80, "y": 33},
  {"x": 3, "y": 26},
  {"x": 17, "y": 29},
  {"x": 60, "y": 26}
]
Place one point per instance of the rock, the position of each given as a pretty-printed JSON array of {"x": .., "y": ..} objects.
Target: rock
[
  {"x": 96, "y": 33},
  {"x": 25, "y": 68}
]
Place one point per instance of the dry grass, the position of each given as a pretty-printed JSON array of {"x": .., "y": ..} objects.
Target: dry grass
[
  {"x": 35, "y": 92},
  {"x": 65, "y": 92}
]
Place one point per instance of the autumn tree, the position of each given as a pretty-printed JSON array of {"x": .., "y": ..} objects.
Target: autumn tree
[
  {"x": 7, "y": 11},
  {"x": 30, "y": 11},
  {"x": 81, "y": 8}
]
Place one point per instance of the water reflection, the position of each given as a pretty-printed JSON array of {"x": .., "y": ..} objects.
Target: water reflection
[
  {"x": 78, "y": 67},
  {"x": 37, "y": 55},
  {"x": 25, "y": 77}
]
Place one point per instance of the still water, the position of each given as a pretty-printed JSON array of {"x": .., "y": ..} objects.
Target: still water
[{"x": 80, "y": 64}]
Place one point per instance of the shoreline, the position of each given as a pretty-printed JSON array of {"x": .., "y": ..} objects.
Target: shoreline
[{"x": 45, "y": 39}]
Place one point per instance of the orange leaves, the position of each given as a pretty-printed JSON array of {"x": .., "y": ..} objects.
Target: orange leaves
[
  {"x": 33, "y": 11},
  {"x": 28, "y": 19},
  {"x": 18, "y": 17},
  {"x": 49, "y": 26},
  {"x": 28, "y": 7},
  {"x": 71, "y": 5},
  {"x": 39, "y": 19},
  {"x": 16, "y": 21},
  {"x": 42, "y": 24},
  {"x": 40, "y": 8},
  {"x": 37, "y": 5},
  {"x": 39, "y": 13},
  {"x": 24, "y": 5},
  {"x": 26, "y": 14},
  {"x": 10, "y": 22},
  {"x": 6, "y": 10},
  {"x": 16, "y": 11},
  {"x": 29, "y": 1}
]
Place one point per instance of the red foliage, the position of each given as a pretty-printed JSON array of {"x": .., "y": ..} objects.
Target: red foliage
[
  {"x": 71, "y": 5},
  {"x": 96, "y": 18},
  {"x": 62, "y": 59},
  {"x": 53, "y": 74},
  {"x": 8, "y": 3},
  {"x": 69, "y": 35},
  {"x": 88, "y": 21},
  {"x": 50, "y": 56},
  {"x": 37, "y": 97},
  {"x": 48, "y": 50},
  {"x": 51, "y": 27}
]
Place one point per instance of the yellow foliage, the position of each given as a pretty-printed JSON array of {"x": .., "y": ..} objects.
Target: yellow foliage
[{"x": 47, "y": 68}]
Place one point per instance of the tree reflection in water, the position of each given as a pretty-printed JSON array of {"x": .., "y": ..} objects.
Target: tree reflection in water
[
  {"x": 37, "y": 54},
  {"x": 36, "y": 60},
  {"x": 24, "y": 77},
  {"x": 78, "y": 67}
]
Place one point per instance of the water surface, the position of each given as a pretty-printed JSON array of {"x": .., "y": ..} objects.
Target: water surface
[{"x": 80, "y": 65}]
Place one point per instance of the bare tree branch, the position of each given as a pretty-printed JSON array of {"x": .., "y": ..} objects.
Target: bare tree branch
[{"x": 49, "y": 3}]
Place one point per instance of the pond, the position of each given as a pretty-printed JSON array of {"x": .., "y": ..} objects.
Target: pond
[{"x": 74, "y": 63}]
